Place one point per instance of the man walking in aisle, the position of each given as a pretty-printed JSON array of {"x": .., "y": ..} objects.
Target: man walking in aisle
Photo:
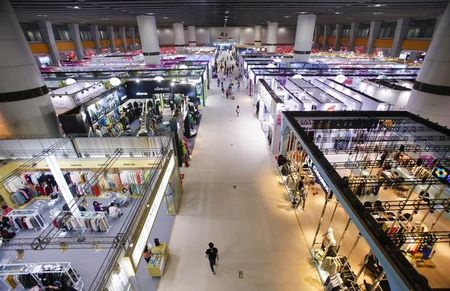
[
  {"x": 212, "y": 254},
  {"x": 237, "y": 111}
]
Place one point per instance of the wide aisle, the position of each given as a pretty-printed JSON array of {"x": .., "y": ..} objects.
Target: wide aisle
[{"x": 253, "y": 227}]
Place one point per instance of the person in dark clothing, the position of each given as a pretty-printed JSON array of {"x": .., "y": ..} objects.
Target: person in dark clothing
[
  {"x": 65, "y": 207},
  {"x": 212, "y": 254}
]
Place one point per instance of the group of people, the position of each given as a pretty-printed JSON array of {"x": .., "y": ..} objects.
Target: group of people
[
  {"x": 112, "y": 208},
  {"x": 228, "y": 92}
]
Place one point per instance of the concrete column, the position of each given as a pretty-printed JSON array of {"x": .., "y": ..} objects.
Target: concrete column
[
  {"x": 74, "y": 30},
  {"x": 209, "y": 39},
  {"x": 400, "y": 33},
  {"x": 149, "y": 39},
  {"x": 353, "y": 33},
  {"x": 337, "y": 40},
  {"x": 192, "y": 38},
  {"x": 49, "y": 38},
  {"x": 374, "y": 30},
  {"x": 25, "y": 106},
  {"x": 271, "y": 42},
  {"x": 123, "y": 37},
  {"x": 258, "y": 35},
  {"x": 438, "y": 20},
  {"x": 112, "y": 37},
  {"x": 316, "y": 34},
  {"x": 178, "y": 31},
  {"x": 133, "y": 38},
  {"x": 95, "y": 33},
  {"x": 430, "y": 96},
  {"x": 304, "y": 37},
  {"x": 325, "y": 35}
]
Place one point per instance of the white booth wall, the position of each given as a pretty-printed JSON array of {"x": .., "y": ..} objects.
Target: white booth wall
[{"x": 398, "y": 98}]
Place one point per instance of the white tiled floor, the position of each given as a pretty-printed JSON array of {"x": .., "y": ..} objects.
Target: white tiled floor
[{"x": 254, "y": 228}]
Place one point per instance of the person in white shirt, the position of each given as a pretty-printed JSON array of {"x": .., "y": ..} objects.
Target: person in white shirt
[{"x": 114, "y": 211}]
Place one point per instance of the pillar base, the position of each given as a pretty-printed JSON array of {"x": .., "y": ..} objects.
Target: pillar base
[
  {"x": 301, "y": 57},
  {"x": 271, "y": 48},
  {"x": 152, "y": 60}
]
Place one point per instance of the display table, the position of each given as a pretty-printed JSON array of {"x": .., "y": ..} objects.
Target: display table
[{"x": 158, "y": 260}]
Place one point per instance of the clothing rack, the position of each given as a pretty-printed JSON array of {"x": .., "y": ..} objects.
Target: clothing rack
[
  {"x": 25, "y": 219},
  {"x": 28, "y": 275},
  {"x": 92, "y": 220}
]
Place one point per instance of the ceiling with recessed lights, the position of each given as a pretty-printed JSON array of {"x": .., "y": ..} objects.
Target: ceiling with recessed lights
[{"x": 220, "y": 13}]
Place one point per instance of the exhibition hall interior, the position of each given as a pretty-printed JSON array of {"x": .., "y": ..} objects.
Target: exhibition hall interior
[{"x": 218, "y": 145}]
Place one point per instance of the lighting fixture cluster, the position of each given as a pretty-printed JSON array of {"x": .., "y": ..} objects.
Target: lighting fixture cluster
[{"x": 226, "y": 17}]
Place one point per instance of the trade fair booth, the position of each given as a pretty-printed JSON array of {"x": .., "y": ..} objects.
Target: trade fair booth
[
  {"x": 368, "y": 102},
  {"x": 388, "y": 91},
  {"x": 89, "y": 206},
  {"x": 266, "y": 73},
  {"x": 197, "y": 75},
  {"x": 299, "y": 94},
  {"x": 372, "y": 195},
  {"x": 68, "y": 97},
  {"x": 108, "y": 112}
]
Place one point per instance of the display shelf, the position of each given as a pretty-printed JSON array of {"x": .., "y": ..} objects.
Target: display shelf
[
  {"x": 27, "y": 213},
  {"x": 34, "y": 269},
  {"x": 110, "y": 112},
  {"x": 160, "y": 255}
]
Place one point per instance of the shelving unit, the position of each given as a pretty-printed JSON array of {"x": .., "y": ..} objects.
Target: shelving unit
[
  {"x": 41, "y": 268},
  {"x": 27, "y": 213}
]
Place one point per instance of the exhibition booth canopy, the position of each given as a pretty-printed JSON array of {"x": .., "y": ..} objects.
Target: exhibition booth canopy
[
  {"x": 276, "y": 95},
  {"x": 385, "y": 206}
]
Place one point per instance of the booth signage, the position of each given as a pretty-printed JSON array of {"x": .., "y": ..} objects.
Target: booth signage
[{"x": 146, "y": 88}]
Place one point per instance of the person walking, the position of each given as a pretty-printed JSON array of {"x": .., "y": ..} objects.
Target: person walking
[
  {"x": 238, "y": 84},
  {"x": 237, "y": 110},
  {"x": 218, "y": 81},
  {"x": 212, "y": 254}
]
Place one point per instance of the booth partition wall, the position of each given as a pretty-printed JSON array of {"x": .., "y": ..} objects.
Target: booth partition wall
[
  {"x": 372, "y": 193},
  {"x": 89, "y": 206}
]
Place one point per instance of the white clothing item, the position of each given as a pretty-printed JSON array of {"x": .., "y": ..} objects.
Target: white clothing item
[{"x": 114, "y": 212}]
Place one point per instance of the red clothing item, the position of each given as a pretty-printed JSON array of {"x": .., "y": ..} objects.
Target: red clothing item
[{"x": 6, "y": 211}]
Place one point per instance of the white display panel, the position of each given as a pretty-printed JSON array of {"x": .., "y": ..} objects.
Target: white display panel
[{"x": 148, "y": 225}]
